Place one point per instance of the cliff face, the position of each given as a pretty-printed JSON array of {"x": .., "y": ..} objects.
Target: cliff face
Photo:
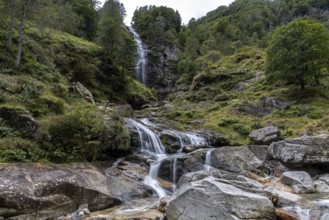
[{"x": 162, "y": 68}]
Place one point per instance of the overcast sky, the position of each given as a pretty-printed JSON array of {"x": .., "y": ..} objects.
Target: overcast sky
[{"x": 187, "y": 8}]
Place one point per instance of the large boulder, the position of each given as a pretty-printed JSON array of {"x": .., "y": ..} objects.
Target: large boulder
[
  {"x": 20, "y": 119},
  {"x": 240, "y": 160},
  {"x": 211, "y": 198},
  {"x": 299, "y": 181},
  {"x": 265, "y": 135},
  {"x": 301, "y": 151},
  {"x": 36, "y": 191}
]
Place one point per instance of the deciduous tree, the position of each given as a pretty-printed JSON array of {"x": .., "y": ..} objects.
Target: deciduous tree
[{"x": 299, "y": 52}]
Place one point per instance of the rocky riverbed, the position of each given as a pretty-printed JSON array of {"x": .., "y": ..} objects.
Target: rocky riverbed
[{"x": 272, "y": 179}]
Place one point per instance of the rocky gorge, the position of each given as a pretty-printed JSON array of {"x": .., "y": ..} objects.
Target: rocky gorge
[{"x": 193, "y": 177}]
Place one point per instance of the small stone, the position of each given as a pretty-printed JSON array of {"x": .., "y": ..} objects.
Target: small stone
[{"x": 86, "y": 211}]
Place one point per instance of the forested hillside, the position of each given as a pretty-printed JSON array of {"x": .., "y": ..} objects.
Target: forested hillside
[
  {"x": 217, "y": 65},
  {"x": 48, "y": 49}
]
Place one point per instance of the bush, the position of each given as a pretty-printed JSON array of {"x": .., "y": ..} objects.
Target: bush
[
  {"x": 15, "y": 149},
  {"x": 74, "y": 136},
  {"x": 227, "y": 122},
  {"x": 242, "y": 129}
]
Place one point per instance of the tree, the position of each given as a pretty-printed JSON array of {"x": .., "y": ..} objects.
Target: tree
[{"x": 299, "y": 52}]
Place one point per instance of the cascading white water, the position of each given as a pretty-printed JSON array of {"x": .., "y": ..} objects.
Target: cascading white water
[
  {"x": 174, "y": 175},
  {"x": 207, "y": 165},
  {"x": 150, "y": 143},
  {"x": 141, "y": 65}
]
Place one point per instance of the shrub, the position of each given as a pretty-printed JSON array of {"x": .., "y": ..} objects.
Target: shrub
[
  {"x": 74, "y": 136},
  {"x": 15, "y": 149}
]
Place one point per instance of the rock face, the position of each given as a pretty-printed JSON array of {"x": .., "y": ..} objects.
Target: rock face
[
  {"x": 299, "y": 181},
  {"x": 35, "y": 191},
  {"x": 84, "y": 92},
  {"x": 265, "y": 135},
  {"x": 255, "y": 110},
  {"x": 301, "y": 151},
  {"x": 162, "y": 71},
  {"x": 211, "y": 198},
  {"x": 236, "y": 159},
  {"x": 19, "y": 118}
]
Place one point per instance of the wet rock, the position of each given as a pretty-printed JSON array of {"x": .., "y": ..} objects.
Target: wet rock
[
  {"x": 184, "y": 164},
  {"x": 163, "y": 203},
  {"x": 20, "y": 119},
  {"x": 274, "y": 102},
  {"x": 302, "y": 151},
  {"x": 209, "y": 198},
  {"x": 283, "y": 197},
  {"x": 36, "y": 191},
  {"x": 321, "y": 184},
  {"x": 84, "y": 92},
  {"x": 127, "y": 178},
  {"x": 285, "y": 215},
  {"x": 244, "y": 159},
  {"x": 299, "y": 181},
  {"x": 265, "y": 135}
]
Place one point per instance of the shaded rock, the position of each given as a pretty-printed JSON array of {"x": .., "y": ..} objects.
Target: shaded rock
[
  {"x": 162, "y": 71},
  {"x": 240, "y": 86},
  {"x": 299, "y": 181},
  {"x": 301, "y": 151},
  {"x": 84, "y": 92},
  {"x": 244, "y": 159},
  {"x": 36, "y": 191},
  {"x": 286, "y": 215},
  {"x": 210, "y": 198},
  {"x": 321, "y": 184},
  {"x": 274, "y": 102},
  {"x": 125, "y": 111},
  {"x": 265, "y": 135},
  {"x": 184, "y": 164},
  {"x": 20, "y": 119}
]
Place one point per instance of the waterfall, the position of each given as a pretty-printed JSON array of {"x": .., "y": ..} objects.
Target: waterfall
[
  {"x": 141, "y": 65},
  {"x": 174, "y": 176},
  {"x": 150, "y": 143},
  {"x": 207, "y": 165}
]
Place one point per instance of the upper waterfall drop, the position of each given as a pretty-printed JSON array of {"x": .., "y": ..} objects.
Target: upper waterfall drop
[{"x": 141, "y": 64}]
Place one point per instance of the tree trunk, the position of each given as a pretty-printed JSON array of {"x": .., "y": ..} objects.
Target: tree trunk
[
  {"x": 302, "y": 85},
  {"x": 21, "y": 35},
  {"x": 12, "y": 20}
]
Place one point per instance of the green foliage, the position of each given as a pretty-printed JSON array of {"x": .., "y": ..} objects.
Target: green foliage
[
  {"x": 74, "y": 136},
  {"x": 299, "y": 52},
  {"x": 16, "y": 149},
  {"x": 156, "y": 24}
]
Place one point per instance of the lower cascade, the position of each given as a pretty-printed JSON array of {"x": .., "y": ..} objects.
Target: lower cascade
[{"x": 151, "y": 145}]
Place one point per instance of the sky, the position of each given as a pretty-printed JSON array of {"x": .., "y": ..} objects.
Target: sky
[{"x": 187, "y": 8}]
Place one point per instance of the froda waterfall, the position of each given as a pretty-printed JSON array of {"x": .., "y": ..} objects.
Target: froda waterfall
[{"x": 141, "y": 64}]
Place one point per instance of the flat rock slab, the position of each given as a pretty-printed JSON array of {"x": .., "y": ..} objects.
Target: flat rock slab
[
  {"x": 212, "y": 199},
  {"x": 33, "y": 191}
]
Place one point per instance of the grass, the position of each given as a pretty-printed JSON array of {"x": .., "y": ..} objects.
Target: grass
[{"x": 308, "y": 112}]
